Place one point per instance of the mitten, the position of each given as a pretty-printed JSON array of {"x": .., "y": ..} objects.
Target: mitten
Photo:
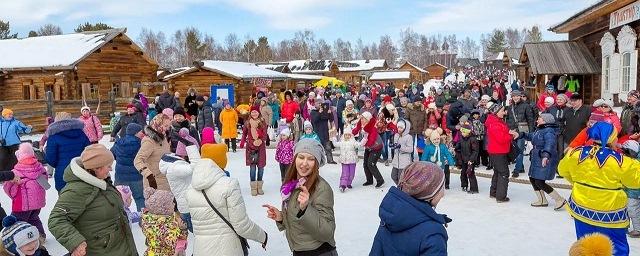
[{"x": 152, "y": 182}]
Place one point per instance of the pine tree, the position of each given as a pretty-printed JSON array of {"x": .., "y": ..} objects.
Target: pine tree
[
  {"x": 92, "y": 27},
  {"x": 497, "y": 42},
  {"x": 33, "y": 33},
  {"x": 5, "y": 31}
]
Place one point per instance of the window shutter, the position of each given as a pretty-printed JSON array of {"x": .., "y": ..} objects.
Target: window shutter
[
  {"x": 615, "y": 83},
  {"x": 86, "y": 90},
  {"x": 633, "y": 76}
]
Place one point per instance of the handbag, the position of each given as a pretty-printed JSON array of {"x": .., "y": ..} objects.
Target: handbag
[
  {"x": 254, "y": 157},
  {"x": 243, "y": 241},
  {"x": 522, "y": 126}
]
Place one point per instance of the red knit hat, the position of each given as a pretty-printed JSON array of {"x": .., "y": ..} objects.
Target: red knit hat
[{"x": 255, "y": 107}]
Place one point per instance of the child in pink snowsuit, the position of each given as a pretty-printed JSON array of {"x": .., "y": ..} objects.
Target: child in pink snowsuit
[
  {"x": 284, "y": 151},
  {"x": 27, "y": 195}
]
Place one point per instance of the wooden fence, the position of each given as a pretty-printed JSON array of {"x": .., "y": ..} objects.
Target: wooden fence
[{"x": 35, "y": 112}]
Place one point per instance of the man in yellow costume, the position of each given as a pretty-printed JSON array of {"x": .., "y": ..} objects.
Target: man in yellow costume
[{"x": 598, "y": 174}]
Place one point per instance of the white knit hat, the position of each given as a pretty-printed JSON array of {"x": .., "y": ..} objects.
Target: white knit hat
[
  {"x": 367, "y": 115},
  {"x": 307, "y": 124},
  {"x": 285, "y": 132},
  {"x": 349, "y": 102}
]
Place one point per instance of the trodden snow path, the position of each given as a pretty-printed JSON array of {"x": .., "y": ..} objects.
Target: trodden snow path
[{"x": 480, "y": 226}]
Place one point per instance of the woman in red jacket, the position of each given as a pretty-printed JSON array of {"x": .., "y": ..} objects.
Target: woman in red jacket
[
  {"x": 373, "y": 148},
  {"x": 289, "y": 107},
  {"x": 499, "y": 139}
]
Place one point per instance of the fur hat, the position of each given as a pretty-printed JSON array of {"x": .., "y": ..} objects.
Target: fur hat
[
  {"x": 6, "y": 112},
  {"x": 216, "y": 152},
  {"x": 548, "y": 118},
  {"x": 422, "y": 180},
  {"x": 159, "y": 202},
  {"x": 16, "y": 234},
  {"x": 96, "y": 156},
  {"x": 313, "y": 147},
  {"x": 25, "y": 150},
  {"x": 133, "y": 129},
  {"x": 594, "y": 244}
]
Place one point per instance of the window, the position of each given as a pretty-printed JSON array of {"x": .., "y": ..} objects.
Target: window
[
  {"x": 115, "y": 88},
  {"x": 607, "y": 69},
  {"x": 94, "y": 91},
  {"x": 90, "y": 91},
  {"x": 626, "y": 71},
  {"x": 26, "y": 92}
]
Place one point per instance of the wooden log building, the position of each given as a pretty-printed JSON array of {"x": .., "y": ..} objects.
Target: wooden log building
[
  {"x": 73, "y": 67},
  {"x": 609, "y": 30},
  {"x": 417, "y": 74},
  {"x": 436, "y": 70},
  {"x": 399, "y": 78}
]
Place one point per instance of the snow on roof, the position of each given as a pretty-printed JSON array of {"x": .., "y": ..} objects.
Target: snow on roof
[
  {"x": 238, "y": 70},
  {"x": 309, "y": 66},
  {"x": 304, "y": 77},
  {"x": 57, "y": 52},
  {"x": 393, "y": 75},
  {"x": 363, "y": 65}
]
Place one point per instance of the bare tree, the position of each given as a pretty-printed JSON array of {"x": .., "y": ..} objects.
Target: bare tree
[
  {"x": 232, "y": 47},
  {"x": 49, "y": 30},
  {"x": 342, "y": 50},
  {"x": 409, "y": 43},
  {"x": 154, "y": 45},
  {"x": 514, "y": 38},
  {"x": 387, "y": 50},
  {"x": 323, "y": 50}
]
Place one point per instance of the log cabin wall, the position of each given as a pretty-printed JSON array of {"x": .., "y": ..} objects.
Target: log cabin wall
[
  {"x": 436, "y": 71},
  {"x": 201, "y": 80},
  {"x": 115, "y": 66},
  {"x": 415, "y": 74}
]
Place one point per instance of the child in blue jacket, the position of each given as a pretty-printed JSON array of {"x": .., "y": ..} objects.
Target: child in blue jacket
[{"x": 439, "y": 154}]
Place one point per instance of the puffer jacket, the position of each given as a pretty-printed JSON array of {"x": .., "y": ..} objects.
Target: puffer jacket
[
  {"x": 124, "y": 151},
  {"x": 348, "y": 150},
  {"x": 152, "y": 148},
  {"x": 289, "y": 108},
  {"x": 91, "y": 210},
  {"x": 212, "y": 234},
  {"x": 10, "y": 129},
  {"x": 520, "y": 112},
  {"x": 166, "y": 100},
  {"x": 92, "y": 128},
  {"x": 402, "y": 156},
  {"x": 120, "y": 127},
  {"x": 66, "y": 141},
  {"x": 178, "y": 173},
  {"x": 204, "y": 117},
  {"x": 284, "y": 152},
  {"x": 409, "y": 227},
  {"x": 498, "y": 137},
  {"x": 28, "y": 194}
]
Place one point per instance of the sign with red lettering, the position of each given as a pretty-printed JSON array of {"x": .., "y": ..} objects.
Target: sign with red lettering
[{"x": 624, "y": 15}]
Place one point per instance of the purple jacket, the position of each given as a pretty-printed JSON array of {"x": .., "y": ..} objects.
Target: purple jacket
[{"x": 284, "y": 152}]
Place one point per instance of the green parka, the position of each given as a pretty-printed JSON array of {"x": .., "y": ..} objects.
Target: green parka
[{"x": 90, "y": 209}]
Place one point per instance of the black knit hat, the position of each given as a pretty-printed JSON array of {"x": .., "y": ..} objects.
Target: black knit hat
[{"x": 179, "y": 111}]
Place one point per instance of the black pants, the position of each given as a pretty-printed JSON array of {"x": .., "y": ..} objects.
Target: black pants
[
  {"x": 328, "y": 149},
  {"x": 540, "y": 185},
  {"x": 233, "y": 143},
  {"x": 483, "y": 157},
  {"x": 447, "y": 176},
  {"x": 283, "y": 170},
  {"x": 500, "y": 178},
  {"x": 468, "y": 177},
  {"x": 370, "y": 169},
  {"x": 8, "y": 157}
]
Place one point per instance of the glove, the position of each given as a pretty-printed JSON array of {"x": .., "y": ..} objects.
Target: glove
[
  {"x": 185, "y": 141},
  {"x": 146, "y": 172},
  {"x": 152, "y": 182}
]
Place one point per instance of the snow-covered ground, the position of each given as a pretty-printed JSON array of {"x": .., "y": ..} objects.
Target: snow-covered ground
[{"x": 480, "y": 226}]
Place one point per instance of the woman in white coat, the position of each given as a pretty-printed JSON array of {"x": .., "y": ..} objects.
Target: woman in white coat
[{"x": 212, "y": 234}]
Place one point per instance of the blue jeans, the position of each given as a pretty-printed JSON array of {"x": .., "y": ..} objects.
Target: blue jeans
[
  {"x": 136, "y": 192},
  {"x": 520, "y": 159},
  {"x": 252, "y": 172},
  {"x": 186, "y": 217},
  {"x": 387, "y": 136}
]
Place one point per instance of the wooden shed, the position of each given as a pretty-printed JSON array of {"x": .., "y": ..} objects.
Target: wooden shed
[
  {"x": 436, "y": 70},
  {"x": 352, "y": 72},
  {"x": 547, "y": 61},
  {"x": 208, "y": 75},
  {"x": 85, "y": 66},
  {"x": 417, "y": 74},
  {"x": 609, "y": 30}
]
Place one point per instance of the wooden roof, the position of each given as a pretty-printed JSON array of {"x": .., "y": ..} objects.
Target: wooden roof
[
  {"x": 471, "y": 62},
  {"x": 513, "y": 53},
  {"x": 589, "y": 14},
  {"x": 435, "y": 64},
  {"x": 559, "y": 57}
]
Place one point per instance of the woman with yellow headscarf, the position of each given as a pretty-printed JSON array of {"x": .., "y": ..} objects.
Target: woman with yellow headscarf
[{"x": 598, "y": 175}]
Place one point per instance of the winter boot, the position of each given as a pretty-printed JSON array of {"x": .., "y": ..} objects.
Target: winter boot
[
  {"x": 254, "y": 188},
  {"x": 560, "y": 201},
  {"x": 542, "y": 199},
  {"x": 259, "y": 187}
]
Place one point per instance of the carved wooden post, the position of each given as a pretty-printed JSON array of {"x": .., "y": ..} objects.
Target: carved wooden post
[
  {"x": 112, "y": 101},
  {"x": 49, "y": 101}
]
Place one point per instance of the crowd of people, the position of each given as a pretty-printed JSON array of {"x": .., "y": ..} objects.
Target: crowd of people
[{"x": 171, "y": 155}]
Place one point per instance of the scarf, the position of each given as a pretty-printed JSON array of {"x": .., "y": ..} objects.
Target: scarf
[
  {"x": 253, "y": 126},
  {"x": 435, "y": 158},
  {"x": 287, "y": 189}
]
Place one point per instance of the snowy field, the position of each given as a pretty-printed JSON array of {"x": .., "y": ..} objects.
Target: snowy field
[{"x": 480, "y": 226}]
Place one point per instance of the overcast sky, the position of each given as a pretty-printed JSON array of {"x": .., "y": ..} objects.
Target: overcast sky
[{"x": 279, "y": 19}]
